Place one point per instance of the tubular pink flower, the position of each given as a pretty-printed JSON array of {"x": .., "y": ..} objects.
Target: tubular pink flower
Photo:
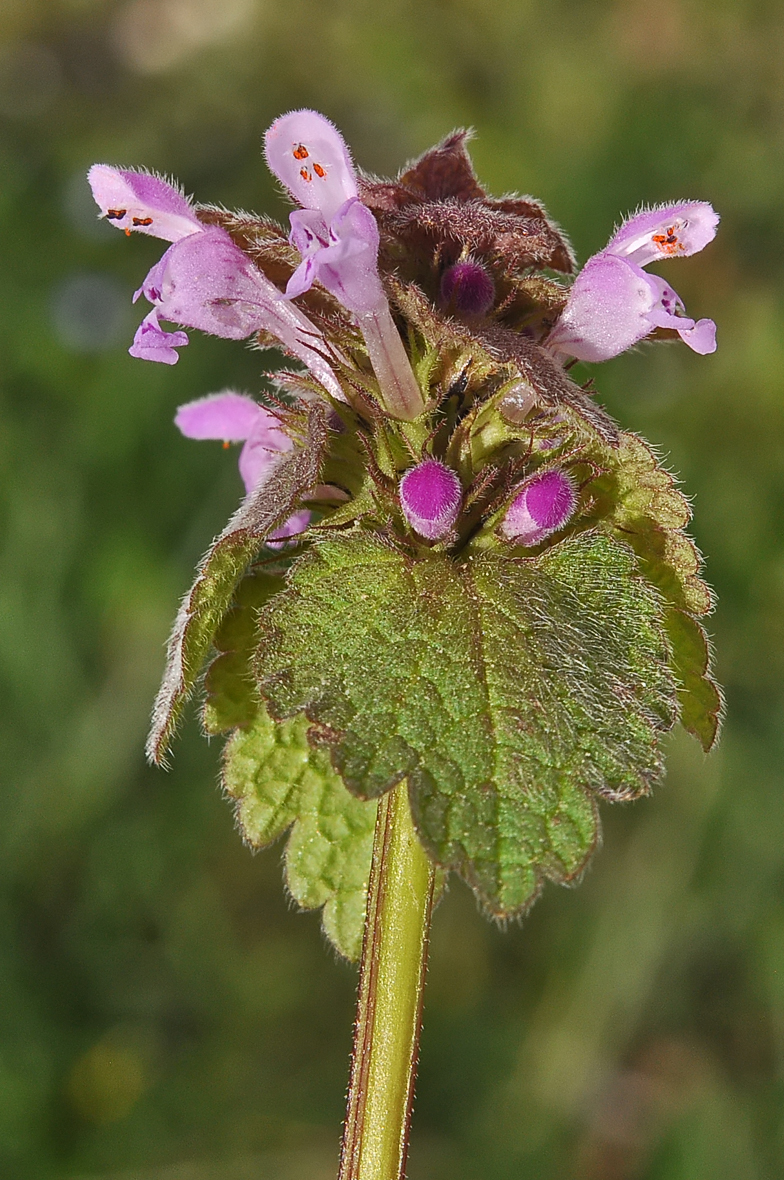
[
  {"x": 140, "y": 202},
  {"x": 541, "y": 506},
  {"x": 338, "y": 239},
  {"x": 203, "y": 280},
  {"x": 614, "y": 303},
  {"x": 235, "y": 417},
  {"x": 430, "y": 497}
]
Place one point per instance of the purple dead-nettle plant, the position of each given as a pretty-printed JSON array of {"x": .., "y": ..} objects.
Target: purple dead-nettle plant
[{"x": 456, "y": 607}]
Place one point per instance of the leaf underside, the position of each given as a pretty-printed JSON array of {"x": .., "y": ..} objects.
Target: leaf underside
[
  {"x": 279, "y": 782},
  {"x": 511, "y": 692},
  {"x": 219, "y": 571}
]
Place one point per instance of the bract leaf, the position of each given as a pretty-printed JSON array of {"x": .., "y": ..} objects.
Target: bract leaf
[
  {"x": 700, "y": 698},
  {"x": 280, "y": 782},
  {"x": 220, "y": 569},
  {"x": 231, "y": 698},
  {"x": 511, "y": 692}
]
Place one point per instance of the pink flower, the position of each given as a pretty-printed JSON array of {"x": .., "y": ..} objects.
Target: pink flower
[
  {"x": 203, "y": 280},
  {"x": 334, "y": 232},
  {"x": 430, "y": 497},
  {"x": 614, "y": 303},
  {"x": 541, "y": 506},
  {"x": 234, "y": 417}
]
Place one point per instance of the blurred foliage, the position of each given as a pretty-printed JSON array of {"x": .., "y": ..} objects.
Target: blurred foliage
[{"x": 166, "y": 1015}]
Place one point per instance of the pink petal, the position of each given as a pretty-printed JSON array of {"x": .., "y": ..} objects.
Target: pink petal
[
  {"x": 152, "y": 343},
  {"x": 137, "y": 201},
  {"x": 296, "y": 524},
  {"x": 668, "y": 231},
  {"x": 263, "y": 451},
  {"x": 701, "y": 338},
  {"x": 227, "y": 415},
  {"x": 607, "y": 312},
  {"x": 309, "y": 156},
  {"x": 204, "y": 281}
]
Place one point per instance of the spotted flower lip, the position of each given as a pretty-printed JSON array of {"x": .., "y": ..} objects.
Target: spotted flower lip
[
  {"x": 142, "y": 203},
  {"x": 614, "y": 303}
]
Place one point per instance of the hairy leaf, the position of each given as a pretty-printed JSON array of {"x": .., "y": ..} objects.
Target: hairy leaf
[
  {"x": 220, "y": 569},
  {"x": 700, "y": 698},
  {"x": 231, "y": 698},
  {"x": 280, "y": 782},
  {"x": 510, "y": 692}
]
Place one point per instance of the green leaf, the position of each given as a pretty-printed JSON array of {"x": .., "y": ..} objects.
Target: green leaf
[
  {"x": 280, "y": 782},
  {"x": 231, "y": 698},
  {"x": 511, "y": 693},
  {"x": 700, "y": 698},
  {"x": 219, "y": 571}
]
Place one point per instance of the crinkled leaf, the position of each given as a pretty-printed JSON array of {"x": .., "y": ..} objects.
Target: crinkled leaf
[
  {"x": 279, "y": 781},
  {"x": 231, "y": 698},
  {"x": 699, "y": 696},
  {"x": 219, "y": 571},
  {"x": 511, "y": 692}
]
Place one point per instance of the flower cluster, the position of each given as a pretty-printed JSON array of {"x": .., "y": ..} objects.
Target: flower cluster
[{"x": 458, "y": 267}]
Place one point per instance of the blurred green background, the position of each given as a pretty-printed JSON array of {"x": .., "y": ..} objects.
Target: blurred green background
[{"x": 166, "y": 1014}]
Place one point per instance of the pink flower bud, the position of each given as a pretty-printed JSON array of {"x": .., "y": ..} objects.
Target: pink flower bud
[
  {"x": 430, "y": 497},
  {"x": 467, "y": 288},
  {"x": 543, "y": 505}
]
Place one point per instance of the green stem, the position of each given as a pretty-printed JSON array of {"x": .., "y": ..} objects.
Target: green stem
[{"x": 389, "y": 1004}]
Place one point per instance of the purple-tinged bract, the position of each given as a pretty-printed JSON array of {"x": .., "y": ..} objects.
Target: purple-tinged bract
[
  {"x": 430, "y": 497},
  {"x": 542, "y": 505}
]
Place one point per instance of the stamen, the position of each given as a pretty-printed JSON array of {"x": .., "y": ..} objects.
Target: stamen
[
  {"x": 322, "y": 172},
  {"x": 305, "y": 175},
  {"x": 226, "y": 444},
  {"x": 668, "y": 242},
  {"x": 115, "y": 214},
  {"x": 142, "y": 220},
  {"x": 127, "y": 232},
  {"x": 301, "y": 152}
]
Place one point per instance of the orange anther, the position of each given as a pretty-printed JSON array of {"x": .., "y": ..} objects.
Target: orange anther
[
  {"x": 115, "y": 214},
  {"x": 127, "y": 232},
  {"x": 226, "y": 444},
  {"x": 300, "y": 152},
  {"x": 322, "y": 172},
  {"x": 305, "y": 175},
  {"x": 142, "y": 220}
]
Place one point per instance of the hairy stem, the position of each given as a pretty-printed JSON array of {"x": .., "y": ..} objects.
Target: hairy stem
[
  {"x": 400, "y": 390},
  {"x": 389, "y": 1004}
]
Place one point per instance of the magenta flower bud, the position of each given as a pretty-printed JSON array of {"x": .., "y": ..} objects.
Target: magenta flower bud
[
  {"x": 430, "y": 497},
  {"x": 467, "y": 288},
  {"x": 543, "y": 505}
]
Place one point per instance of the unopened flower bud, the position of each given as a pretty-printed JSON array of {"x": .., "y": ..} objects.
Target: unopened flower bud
[
  {"x": 543, "y": 505},
  {"x": 467, "y": 288},
  {"x": 430, "y": 497}
]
